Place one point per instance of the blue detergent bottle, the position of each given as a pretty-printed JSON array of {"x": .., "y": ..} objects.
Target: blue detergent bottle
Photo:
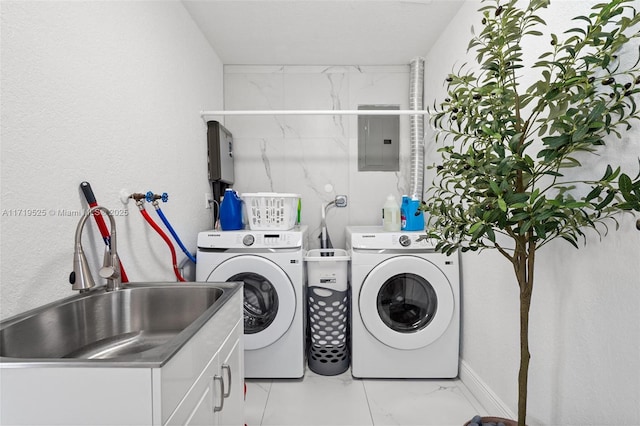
[
  {"x": 415, "y": 218},
  {"x": 231, "y": 211}
]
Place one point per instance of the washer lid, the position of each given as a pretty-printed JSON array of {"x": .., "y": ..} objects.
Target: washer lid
[
  {"x": 269, "y": 297},
  {"x": 406, "y": 302}
]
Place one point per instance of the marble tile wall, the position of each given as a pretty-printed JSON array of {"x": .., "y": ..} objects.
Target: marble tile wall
[{"x": 313, "y": 155}]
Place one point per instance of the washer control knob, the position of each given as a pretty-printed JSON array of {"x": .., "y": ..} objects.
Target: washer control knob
[
  {"x": 248, "y": 240},
  {"x": 405, "y": 241}
]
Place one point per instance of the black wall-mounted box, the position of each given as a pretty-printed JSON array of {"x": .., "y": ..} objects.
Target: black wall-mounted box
[{"x": 219, "y": 153}]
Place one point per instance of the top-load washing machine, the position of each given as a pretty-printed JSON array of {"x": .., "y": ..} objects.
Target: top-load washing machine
[
  {"x": 271, "y": 265},
  {"x": 405, "y": 306}
]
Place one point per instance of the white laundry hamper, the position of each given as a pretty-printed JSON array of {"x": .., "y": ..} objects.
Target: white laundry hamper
[
  {"x": 328, "y": 305},
  {"x": 270, "y": 211}
]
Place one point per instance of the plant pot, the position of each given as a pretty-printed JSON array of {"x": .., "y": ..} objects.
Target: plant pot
[{"x": 507, "y": 422}]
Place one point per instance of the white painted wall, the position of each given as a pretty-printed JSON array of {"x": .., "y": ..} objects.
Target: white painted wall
[
  {"x": 107, "y": 92},
  {"x": 585, "y": 326}
]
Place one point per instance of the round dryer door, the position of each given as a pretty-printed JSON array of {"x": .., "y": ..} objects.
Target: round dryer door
[
  {"x": 406, "y": 302},
  {"x": 269, "y": 297}
]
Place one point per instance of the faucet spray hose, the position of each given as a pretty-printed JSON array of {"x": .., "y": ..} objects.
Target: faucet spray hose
[
  {"x": 102, "y": 226},
  {"x": 164, "y": 236}
]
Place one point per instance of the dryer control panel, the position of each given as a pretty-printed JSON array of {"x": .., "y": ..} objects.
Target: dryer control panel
[
  {"x": 375, "y": 238},
  {"x": 293, "y": 238}
]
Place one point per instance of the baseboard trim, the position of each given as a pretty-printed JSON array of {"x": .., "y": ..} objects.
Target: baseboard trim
[{"x": 483, "y": 393}]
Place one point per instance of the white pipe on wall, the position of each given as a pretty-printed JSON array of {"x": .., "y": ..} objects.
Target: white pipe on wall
[{"x": 416, "y": 127}]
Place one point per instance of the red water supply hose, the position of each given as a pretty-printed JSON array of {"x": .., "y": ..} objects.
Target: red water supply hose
[{"x": 166, "y": 240}]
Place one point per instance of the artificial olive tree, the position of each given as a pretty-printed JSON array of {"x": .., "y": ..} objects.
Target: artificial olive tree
[{"x": 503, "y": 181}]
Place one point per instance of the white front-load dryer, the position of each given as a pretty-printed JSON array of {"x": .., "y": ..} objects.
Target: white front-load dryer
[
  {"x": 271, "y": 266},
  {"x": 405, "y": 306}
]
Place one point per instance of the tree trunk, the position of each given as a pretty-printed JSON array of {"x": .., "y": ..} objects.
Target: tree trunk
[
  {"x": 525, "y": 356},
  {"x": 523, "y": 263}
]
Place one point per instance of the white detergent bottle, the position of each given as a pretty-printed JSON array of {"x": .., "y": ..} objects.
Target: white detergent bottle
[{"x": 391, "y": 214}]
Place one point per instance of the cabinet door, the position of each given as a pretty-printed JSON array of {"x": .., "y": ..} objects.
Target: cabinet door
[
  {"x": 217, "y": 396},
  {"x": 232, "y": 374},
  {"x": 206, "y": 411},
  {"x": 199, "y": 407}
]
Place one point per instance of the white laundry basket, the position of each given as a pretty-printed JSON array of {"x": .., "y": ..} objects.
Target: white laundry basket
[
  {"x": 271, "y": 211},
  {"x": 328, "y": 305}
]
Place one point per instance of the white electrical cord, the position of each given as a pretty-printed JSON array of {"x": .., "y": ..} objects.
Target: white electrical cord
[{"x": 214, "y": 218}]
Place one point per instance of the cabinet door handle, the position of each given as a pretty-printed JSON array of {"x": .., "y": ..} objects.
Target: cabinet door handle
[
  {"x": 228, "y": 370},
  {"x": 218, "y": 379}
]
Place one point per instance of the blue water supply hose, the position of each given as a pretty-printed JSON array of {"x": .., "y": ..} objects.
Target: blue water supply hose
[{"x": 151, "y": 198}]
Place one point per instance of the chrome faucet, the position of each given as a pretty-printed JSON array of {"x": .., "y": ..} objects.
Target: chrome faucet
[{"x": 81, "y": 278}]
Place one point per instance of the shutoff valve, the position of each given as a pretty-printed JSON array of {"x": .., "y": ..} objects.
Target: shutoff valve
[{"x": 150, "y": 197}]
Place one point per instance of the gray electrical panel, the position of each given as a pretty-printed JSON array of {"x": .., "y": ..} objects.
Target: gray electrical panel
[
  {"x": 220, "y": 153},
  {"x": 378, "y": 140}
]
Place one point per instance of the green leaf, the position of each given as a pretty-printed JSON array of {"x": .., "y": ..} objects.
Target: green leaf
[
  {"x": 478, "y": 232},
  {"x": 579, "y": 134},
  {"x": 556, "y": 142},
  {"x": 608, "y": 199},
  {"x": 625, "y": 184},
  {"x": 534, "y": 195},
  {"x": 520, "y": 216},
  {"x": 569, "y": 239},
  {"x": 525, "y": 227},
  {"x": 594, "y": 193},
  {"x": 610, "y": 174},
  {"x": 494, "y": 187},
  {"x": 596, "y": 112},
  {"x": 475, "y": 227},
  {"x": 576, "y": 205},
  {"x": 491, "y": 235},
  {"x": 517, "y": 198}
]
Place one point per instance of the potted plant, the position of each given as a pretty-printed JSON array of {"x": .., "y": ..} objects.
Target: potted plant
[{"x": 506, "y": 178}]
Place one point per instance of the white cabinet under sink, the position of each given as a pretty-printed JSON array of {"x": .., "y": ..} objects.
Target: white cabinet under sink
[
  {"x": 202, "y": 384},
  {"x": 216, "y": 398}
]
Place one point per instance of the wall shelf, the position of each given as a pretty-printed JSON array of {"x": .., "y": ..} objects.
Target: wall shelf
[{"x": 207, "y": 114}]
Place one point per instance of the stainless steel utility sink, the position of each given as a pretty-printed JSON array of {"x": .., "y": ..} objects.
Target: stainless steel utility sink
[{"x": 142, "y": 323}]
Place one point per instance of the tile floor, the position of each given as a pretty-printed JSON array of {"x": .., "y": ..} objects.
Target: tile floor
[{"x": 319, "y": 400}]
